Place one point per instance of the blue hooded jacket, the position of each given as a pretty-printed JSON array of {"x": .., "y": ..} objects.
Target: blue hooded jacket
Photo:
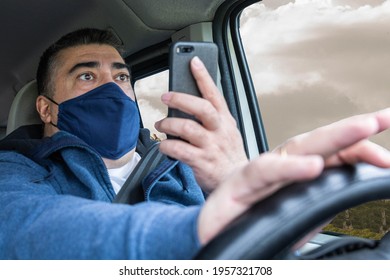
[{"x": 55, "y": 203}]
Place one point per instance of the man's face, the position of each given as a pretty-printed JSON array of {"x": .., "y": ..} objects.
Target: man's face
[
  {"x": 83, "y": 68},
  {"x": 79, "y": 70}
]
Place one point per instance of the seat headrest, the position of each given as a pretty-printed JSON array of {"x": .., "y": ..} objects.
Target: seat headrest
[{"x": 23, "y": 110}]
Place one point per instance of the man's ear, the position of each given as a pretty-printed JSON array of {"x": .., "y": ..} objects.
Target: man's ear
[{"x": 44, "y": 110}]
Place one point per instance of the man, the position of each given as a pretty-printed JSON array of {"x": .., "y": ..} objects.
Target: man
[{"x": 56, "y": 191}]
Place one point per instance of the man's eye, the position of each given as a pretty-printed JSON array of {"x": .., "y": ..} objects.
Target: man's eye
[
  {"x": 123, "y": 78},
  {"x": 86, "y": 77}
]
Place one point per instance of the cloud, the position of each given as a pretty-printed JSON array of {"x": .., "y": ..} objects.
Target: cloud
[
  {"x": 306, "y": 53},
  {"x": 150, "y": 113},
  {"x": 358, "y": 3},
  {"x": 300, "y": 110},
  {"x": 148, "y": 92}
]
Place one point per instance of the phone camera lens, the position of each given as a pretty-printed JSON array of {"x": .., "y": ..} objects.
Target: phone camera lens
[{"x": 186, "y": 49}]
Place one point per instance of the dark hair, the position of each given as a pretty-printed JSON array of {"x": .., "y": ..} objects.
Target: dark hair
[{"x": 79, "y": 37}]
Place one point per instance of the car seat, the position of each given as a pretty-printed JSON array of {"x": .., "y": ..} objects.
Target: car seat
[{"x": 23, "y": 110}]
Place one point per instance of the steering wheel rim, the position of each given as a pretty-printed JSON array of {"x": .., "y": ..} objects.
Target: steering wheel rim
[{"x": 272, "y": 226}]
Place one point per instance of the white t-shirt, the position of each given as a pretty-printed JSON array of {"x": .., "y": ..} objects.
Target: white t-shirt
[{"x": 118, "y": 176}]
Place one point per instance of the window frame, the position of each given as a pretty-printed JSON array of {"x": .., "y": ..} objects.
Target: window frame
[{"x": 236, "y": 80}]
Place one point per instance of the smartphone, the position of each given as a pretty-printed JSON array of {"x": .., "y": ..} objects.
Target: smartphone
[{"x": 180, "y": 76}]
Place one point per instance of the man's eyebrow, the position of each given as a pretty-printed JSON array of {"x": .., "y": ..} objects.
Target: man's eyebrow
[
  {"x": 120, "y": 65},
  {"x": 89, "y": 64},
  {"x": 95, "y": 64}
]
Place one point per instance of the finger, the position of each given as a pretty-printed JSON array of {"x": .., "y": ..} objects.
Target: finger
[
  {"x": 364, "y": 151},
  {"x": 270, "y": 172},
  {"x": 383, "y": 118},
  {"x": 330, "y": 139},
  {"x": 200, "y": 108},
  {"x": 207, "y": 86},
  {"x": 186, "y": 129},
  {"x": 181, "y": 151}
]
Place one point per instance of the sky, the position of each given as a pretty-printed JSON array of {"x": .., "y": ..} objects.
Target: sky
[{"x": 312, "y": 62}]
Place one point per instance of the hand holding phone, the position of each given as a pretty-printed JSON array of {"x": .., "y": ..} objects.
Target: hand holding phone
[
  {"x": 180, "y": 76},
  {"x": 191, "y": 141}
]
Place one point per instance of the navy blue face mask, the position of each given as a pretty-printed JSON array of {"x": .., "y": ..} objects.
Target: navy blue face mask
[{"x": 105, "y": 118}]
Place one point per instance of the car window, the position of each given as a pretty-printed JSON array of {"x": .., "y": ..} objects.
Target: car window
[
  {"x": 315, "y": 62},
  {"x": 148, "y": 92}
]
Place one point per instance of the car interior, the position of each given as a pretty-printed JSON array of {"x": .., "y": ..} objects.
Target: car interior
[{"x": 147, "y": 28}]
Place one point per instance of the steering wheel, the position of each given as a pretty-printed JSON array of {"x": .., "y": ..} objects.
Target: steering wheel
[{"x": 271, "y": 227}]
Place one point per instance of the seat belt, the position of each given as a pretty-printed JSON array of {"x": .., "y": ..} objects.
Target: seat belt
[{"x": 131, "y": 191}]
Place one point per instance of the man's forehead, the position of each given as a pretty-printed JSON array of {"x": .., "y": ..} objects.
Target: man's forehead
[{"x": 91, "y": 52}]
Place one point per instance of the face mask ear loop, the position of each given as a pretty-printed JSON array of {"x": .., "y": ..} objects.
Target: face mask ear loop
[
  {"x": 53, "y": 124},
  {"x": 54, "y": 103},
  {"x": 50, "y": 99}
]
